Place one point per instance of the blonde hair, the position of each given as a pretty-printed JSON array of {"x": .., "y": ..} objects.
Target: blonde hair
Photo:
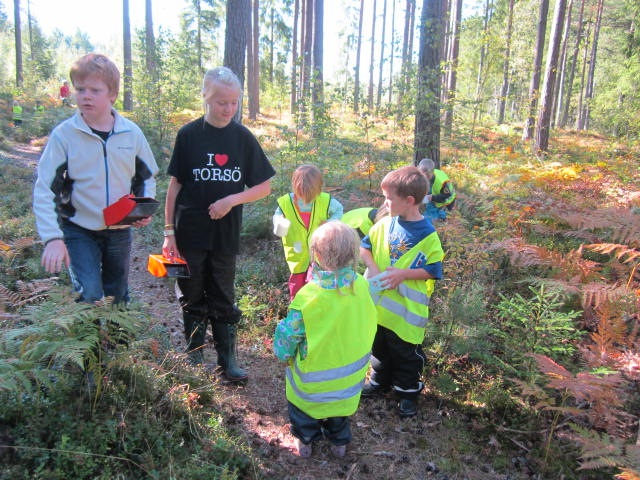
[
  {"x": 406, "y": 182},
  {"x": 335, "y": 245},
  {"x": 216, "y": 77},
  {"x": 98, "y": 65},
  {"x": 307, "y": 182}
]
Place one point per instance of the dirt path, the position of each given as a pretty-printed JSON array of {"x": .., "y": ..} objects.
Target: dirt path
[{"x": 432, "y": 445}]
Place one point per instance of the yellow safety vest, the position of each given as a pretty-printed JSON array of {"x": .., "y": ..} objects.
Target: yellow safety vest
[
  {"x": 340, "y": 326},
  {"x": 298, "y": 235},
  {"x": 440, "y": 178},
  {"x": 358, "y": 219},
  {"x": 17, "y": 112},
  {"x": 404, "y": 309}
]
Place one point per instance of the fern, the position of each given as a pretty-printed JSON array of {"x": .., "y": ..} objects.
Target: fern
[
  {"x": 61, "y": 333},
  {"x": 603, "y": 451}
]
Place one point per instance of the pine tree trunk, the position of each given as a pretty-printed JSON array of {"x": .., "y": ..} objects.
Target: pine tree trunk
[
  {"x": 372, "y": 57},
  {"x": 453, "y": 68},
  {"x": 318, "y": 59},
  {"x": 18, "y": 41},
  {"x": 150, "y": 37},
  {"x": 128, "y": 64},
  {"x": 504, "y": 91},
  {"x": 592, "y": 66},
  {"x": 294, "y": 58},
  {"x": 527, "y": 131},
  {"x": 562, "y": 67},
  {"x": 382, "y": 59},
  {"x": 235, "y": 40},
  {"x": 546, "y": 98},
  {"x": 356, "y": 82},
  {"x": 564, "y": 119},
  {"x": 427, "y": 126}
]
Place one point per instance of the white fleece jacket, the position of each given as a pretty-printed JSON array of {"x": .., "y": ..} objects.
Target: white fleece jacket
[{"x": 79, "y": 174}]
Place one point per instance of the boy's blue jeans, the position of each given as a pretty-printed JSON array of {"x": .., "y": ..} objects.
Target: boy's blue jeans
[{"x": 100, "y": 262}]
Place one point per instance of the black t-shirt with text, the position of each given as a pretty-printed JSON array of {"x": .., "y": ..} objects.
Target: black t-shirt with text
[{"x": 211, "y": 163}]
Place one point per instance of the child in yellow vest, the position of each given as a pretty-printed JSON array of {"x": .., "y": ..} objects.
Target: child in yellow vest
[
  {"x": 326, "y": 339},
  {"x": 403, "y": 256},
  {"x": 303, "y": 210}
]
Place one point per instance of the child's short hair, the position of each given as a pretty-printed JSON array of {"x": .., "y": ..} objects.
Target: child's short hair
[
  {"x": 307, "y": 182},
  {"x": 335, "y": 245},
  {"x": 406, "y": 182},
  {"x": 219, "y": 76},
  {"x": 427, "y": 166},
  {"x": 98, "y": 65}
]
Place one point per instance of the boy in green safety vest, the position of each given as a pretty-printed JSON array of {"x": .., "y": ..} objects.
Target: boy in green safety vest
[
  {"x": 326, "y": 340},
  {"x": 441, "y": 195},
  {"x": 403, "y": 256},
  {"x": 305, "y": 209}
]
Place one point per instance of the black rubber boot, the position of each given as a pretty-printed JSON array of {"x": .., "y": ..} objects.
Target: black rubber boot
[
  {"x": 195, "y": 329},
  {"x": 224, "y": 338}
]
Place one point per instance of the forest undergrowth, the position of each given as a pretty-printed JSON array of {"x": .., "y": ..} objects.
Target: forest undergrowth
[{"x": 533, "y": 365}]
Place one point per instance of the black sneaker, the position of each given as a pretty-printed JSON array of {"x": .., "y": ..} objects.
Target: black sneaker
[
  {"x": 374, "y": 389},
  {"x": 407, "y": 408}
]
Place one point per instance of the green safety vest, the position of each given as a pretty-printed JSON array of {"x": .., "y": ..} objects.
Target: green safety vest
[
  {"x": 340, "y": 326},
  {"x": 405, "y": 309},
  {"x": 299, "y": 261},
  {"x": 440, "y": 178},
  {"x": 17, "y": 112},
  {"x": 359, "y": 219}
]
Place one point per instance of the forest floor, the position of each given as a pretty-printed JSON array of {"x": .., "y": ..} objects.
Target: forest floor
[{"x": 442, "y": 442}]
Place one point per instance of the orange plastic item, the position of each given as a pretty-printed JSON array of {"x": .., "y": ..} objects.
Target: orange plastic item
[
  {"x": 161, "y": 266},
  {"x": 129, "y": 209}
]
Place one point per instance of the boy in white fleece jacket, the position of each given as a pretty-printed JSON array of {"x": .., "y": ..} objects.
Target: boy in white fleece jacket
[{"x": 92, "y": 160}]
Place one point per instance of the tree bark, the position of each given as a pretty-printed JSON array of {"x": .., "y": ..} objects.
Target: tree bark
[
  {"x": 546, "y": 99},
  {"x": 356, "y": 82},
  {"x": 253, "y": 63},
  {"x": 527, "y": 131},
  {"x": 235, "y": 40},
  {"x": 318, "y": 59},
  {"x": 372, "y": 57},
  {"x": 427, "y": 126},
  {"x": 592, "y": 66},
  {"x": 18, "y": 41},
  {"x": 152, "y": 66},
  {"x": 392, "y": 56},
  {"x": 481, "y": 64},
  {"x": 128, "y": 64},
  {"x": 294, "y": 58},
  {"x": 564, "y": 118},
  {"x": 504, "y": 90},
  {"x": 453, "y": 68},
  {"x": 562, "y": 67},
  {"x": 382, "y": 59}
]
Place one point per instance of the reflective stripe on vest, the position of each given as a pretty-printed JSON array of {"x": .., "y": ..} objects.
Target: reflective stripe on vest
[
  {"x": 400, "y": 309},
  {"x": 298, "y": 262},
  {"x": 333, "y": 373}
]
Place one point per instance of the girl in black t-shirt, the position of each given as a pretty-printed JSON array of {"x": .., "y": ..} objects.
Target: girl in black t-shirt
[{"x": 217, "y": 165}]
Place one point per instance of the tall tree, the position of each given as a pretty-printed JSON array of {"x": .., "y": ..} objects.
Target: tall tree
[
  {"x": 545, "y": 109},
  {"x": 502, "y": 100},
  {"x": 128, "y": 64},
  {"x": 480, "y": 76},
  {"x": 383, "y": 40},
  {"x": 318, "y": 57},
  {"x": 294, "y": 57},
  {"x": 452, "y": 76},
  {"x": 564, "y": 114},
  {"x": 253, "y": 60},
  {"x": 235, "y": 39},
  {"x": 392, "y": 54},
  {"x": 527, "y": 131},
  {"x": 18, "y": 43},
  {"x": 409, "y": 18},
  {"x": 372, "y": 57},
  {"x": 150, "y": 39},
  {"x": 562, "y": 66},
  {"x": 356, "y": 83},
  {"x": 427, "y": 126},
  {"x": 583, "y": 119}
]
